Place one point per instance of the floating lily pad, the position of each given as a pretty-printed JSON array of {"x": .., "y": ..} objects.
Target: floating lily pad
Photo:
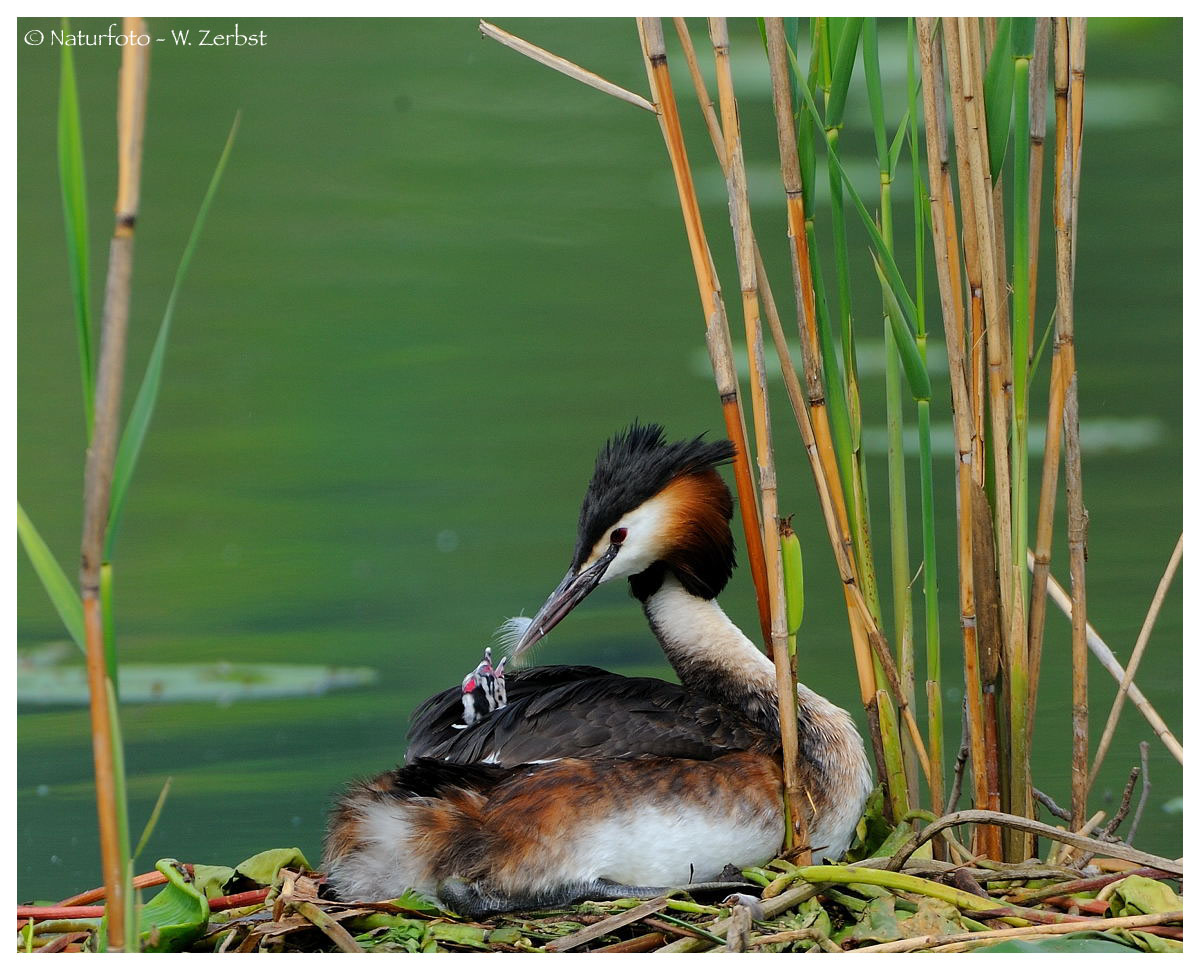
[{"x": 222, "y": 683}]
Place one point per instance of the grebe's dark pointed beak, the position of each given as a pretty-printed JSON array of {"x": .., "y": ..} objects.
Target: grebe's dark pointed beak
[{"x": 573, "y": 589}]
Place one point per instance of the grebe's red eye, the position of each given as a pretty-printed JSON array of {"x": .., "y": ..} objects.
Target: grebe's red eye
[{"x": 618, "y": 536}]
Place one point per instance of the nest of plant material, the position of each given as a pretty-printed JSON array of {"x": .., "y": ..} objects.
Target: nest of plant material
[{"x": 901, "y": 899}]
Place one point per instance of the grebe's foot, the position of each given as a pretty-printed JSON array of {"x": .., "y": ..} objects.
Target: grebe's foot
[{"x": 475, "y": 900}]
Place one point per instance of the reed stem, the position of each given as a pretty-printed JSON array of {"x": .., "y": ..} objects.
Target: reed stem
[
  {"x": 101, "y": 453},
  {"x": 950, "y": 289},
  {"x": 796, "y": 833},
  {"x": 655, "y": 54},
  {"x": 1068, "y": 82},
  {"x": 897, "y": 492},
  {"x": 826, "y": 469},
  {"x": 991, "y": 544},
  {"x": 1017, "y": 671}
]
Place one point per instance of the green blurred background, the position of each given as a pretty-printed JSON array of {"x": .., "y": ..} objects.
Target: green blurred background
[{"x": 436, "y": 277}]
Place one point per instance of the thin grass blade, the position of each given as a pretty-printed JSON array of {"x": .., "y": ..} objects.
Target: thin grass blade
[
  {"x": 147, "y": 397},
  {"x": 73, "y": 183},
  {"x": 998, "y": 96},
  {"x": 152, "y": 821},
  {"x": 62, "y": 592},
  {"x": 870, "y": 59},
  {"x": 843, "y": 69}
]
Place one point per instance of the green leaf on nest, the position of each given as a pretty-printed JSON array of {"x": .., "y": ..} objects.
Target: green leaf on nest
[
  {"x": 1088, "y": 942},
  {"x": 211, "y": 880},
  {"x": 265, "y": 866},
  {"x": 177, "y": 916},
  {"x": 1139, "y": 895}
]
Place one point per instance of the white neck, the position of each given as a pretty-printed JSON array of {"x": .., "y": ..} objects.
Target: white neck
[
  {"x": 700, "y": 641},
  {"x": 712, "y": 656}
]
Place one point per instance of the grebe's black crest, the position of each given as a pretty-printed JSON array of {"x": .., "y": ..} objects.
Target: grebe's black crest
[{"x": 633, "y": 467}]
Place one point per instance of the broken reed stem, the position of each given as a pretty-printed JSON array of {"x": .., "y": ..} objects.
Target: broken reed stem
[
  {"x": 796, "y": 835},
  {"x": 101, "y": 454},
  {"x": 563, "y": 66},
  {"x": 655, "y": 54},
  {"x": 1144, "y": 798},
  {"x": 1108, "y": 660},
  {"x": 1135, "y": 658},
  {"x": 950, "y": 289}
]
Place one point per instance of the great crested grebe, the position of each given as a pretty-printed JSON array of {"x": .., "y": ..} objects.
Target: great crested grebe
[{"x": 570, "y": 782}]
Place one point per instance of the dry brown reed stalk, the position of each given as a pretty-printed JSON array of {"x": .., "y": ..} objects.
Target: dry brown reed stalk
[
  {"x": 987, "y": 226},
  {"x": 744, "y": 247},
  {"x": 1038, "y": 73},
  {"x": 966, "y": 87},
  {"x": 562, "y": 65},
  {"x": 101, "y": 454},
  {"x": 947, "y": 261},
  {"x": 1135, "y": 658},
  {"x": 1108, "y": 660},
  {"x": 981, "y": 528},
  {"x": 1068, "y": 83},
  {"x": 1063, "y": 359},
  {"x": 720, "y": 350}
]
